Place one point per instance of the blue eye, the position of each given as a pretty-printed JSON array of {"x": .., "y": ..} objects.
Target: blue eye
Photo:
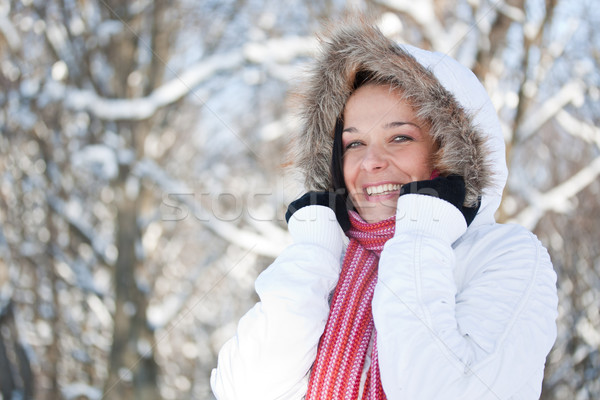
[
  {"x": 401, "y": 139},
  {"x": 352, "y": 145}
]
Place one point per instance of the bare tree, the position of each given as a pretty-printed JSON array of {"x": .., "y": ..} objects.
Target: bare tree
[{"x": 142, "y": 186}]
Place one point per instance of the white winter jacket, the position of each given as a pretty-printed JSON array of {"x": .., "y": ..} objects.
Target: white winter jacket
[{"x": 459, "y": 313}]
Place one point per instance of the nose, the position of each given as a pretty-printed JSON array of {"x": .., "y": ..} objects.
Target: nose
[{"x": 374, "y": 159}]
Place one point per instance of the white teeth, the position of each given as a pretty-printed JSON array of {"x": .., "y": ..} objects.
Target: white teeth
[{"x": 382, "y": 189}]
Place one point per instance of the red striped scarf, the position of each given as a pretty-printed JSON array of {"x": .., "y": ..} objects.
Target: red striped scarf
[{"x": 343, "y": 347}]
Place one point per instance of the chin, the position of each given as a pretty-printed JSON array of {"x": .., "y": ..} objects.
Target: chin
[
  {"x": 372, "y": 216},
  {"x": 372, "y": 213}
]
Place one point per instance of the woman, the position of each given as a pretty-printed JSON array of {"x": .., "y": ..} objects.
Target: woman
[{"x": 407, "y": 288}]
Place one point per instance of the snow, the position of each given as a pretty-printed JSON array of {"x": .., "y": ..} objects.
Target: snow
[
  {"x": 76, "y": 390},
  {"x": 279, "y": 51},
  {"x": 282, "y": 50},
  {"x": 572, "y": 92},
  {"x": 30, "y": 87},
  {"x": 201, "y": 150},
  {"x": 390, "y": 24},
  {"x": 107, "y": 29},
  {"x": 8, "y": 30},
  {"x": 98, "y": 159},
  {"x": 144, "y": 107},
  {"x": 578, "y": 128},
  {"x": 60, "y": 70},
  {"x": 226, "y": 229},
  {"x": 557, "y": 199},
  {"x": 424, "y": 14}
]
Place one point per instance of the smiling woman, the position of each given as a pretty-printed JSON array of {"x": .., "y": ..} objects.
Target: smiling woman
[
  {"x": 385, "y": 146},
  {"x": 399, "y": 283}
]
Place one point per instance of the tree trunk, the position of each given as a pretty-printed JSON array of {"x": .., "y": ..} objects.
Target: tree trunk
[
  {"x": 132, "y": 369},
  {"x": 16, "y": 377}
]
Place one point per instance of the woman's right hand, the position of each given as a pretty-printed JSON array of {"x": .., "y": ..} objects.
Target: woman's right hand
[{"x": 333, "y": 200}]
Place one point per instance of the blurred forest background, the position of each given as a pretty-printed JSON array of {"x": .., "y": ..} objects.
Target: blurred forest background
[{"x": 142, "y": 186}]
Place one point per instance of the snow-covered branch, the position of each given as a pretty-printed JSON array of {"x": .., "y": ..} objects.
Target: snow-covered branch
[
  {"x": 259, "y": 244},
  {"x": 578, "y": 128},
  {"x": 572, "y": 92},
  {"x": 281, "y": 51},
  {"x": 78, "y": 390},
  {"x": 104, "y": 250},
  {"x": 423, "y": 13},
  {"x": 512, "y": 12},
  {"x": 10, "y": 33},
  {"x": 145, "y": 107},
  {"x": 161, "y": 315},
  {"x": 557, "y": 199}
]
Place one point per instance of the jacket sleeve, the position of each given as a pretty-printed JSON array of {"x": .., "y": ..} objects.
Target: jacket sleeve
[
  {"x": 276, "y": 341},
  {"x": 488, "y": 338}
]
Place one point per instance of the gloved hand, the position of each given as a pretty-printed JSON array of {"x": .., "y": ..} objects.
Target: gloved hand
[
  {"x": 333, "y": 200},
  {"x": 450, "y": 189}
]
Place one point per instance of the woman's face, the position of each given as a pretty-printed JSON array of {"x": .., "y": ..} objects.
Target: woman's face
[{"x": 385, "y": 147}]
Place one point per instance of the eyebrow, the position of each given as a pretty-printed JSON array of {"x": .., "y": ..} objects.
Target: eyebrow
[
  {"x": 396, "y": 124},
  {"x": 389, "y": 125}
]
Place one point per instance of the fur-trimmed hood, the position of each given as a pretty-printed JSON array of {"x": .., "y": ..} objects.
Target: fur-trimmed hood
[{"x": 444, "y": 93}]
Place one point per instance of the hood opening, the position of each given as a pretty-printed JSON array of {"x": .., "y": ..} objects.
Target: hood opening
[{"x": 445, "y": 95}]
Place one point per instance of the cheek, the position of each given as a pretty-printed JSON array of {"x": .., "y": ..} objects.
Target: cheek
[
  {"x": 350, "y": 172},
  {"x": 420, "y": 165},
  {"x": 347, "y": 170}
]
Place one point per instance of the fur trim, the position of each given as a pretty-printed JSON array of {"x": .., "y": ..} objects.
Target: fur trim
[{"x": 355, "y": 46}]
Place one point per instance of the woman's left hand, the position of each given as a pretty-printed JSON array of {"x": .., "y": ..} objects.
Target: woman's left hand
[{"x": 450, "y": 189}]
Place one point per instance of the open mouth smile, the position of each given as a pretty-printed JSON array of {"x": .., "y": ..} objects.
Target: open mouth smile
[{"x": 381, "y": 190}]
